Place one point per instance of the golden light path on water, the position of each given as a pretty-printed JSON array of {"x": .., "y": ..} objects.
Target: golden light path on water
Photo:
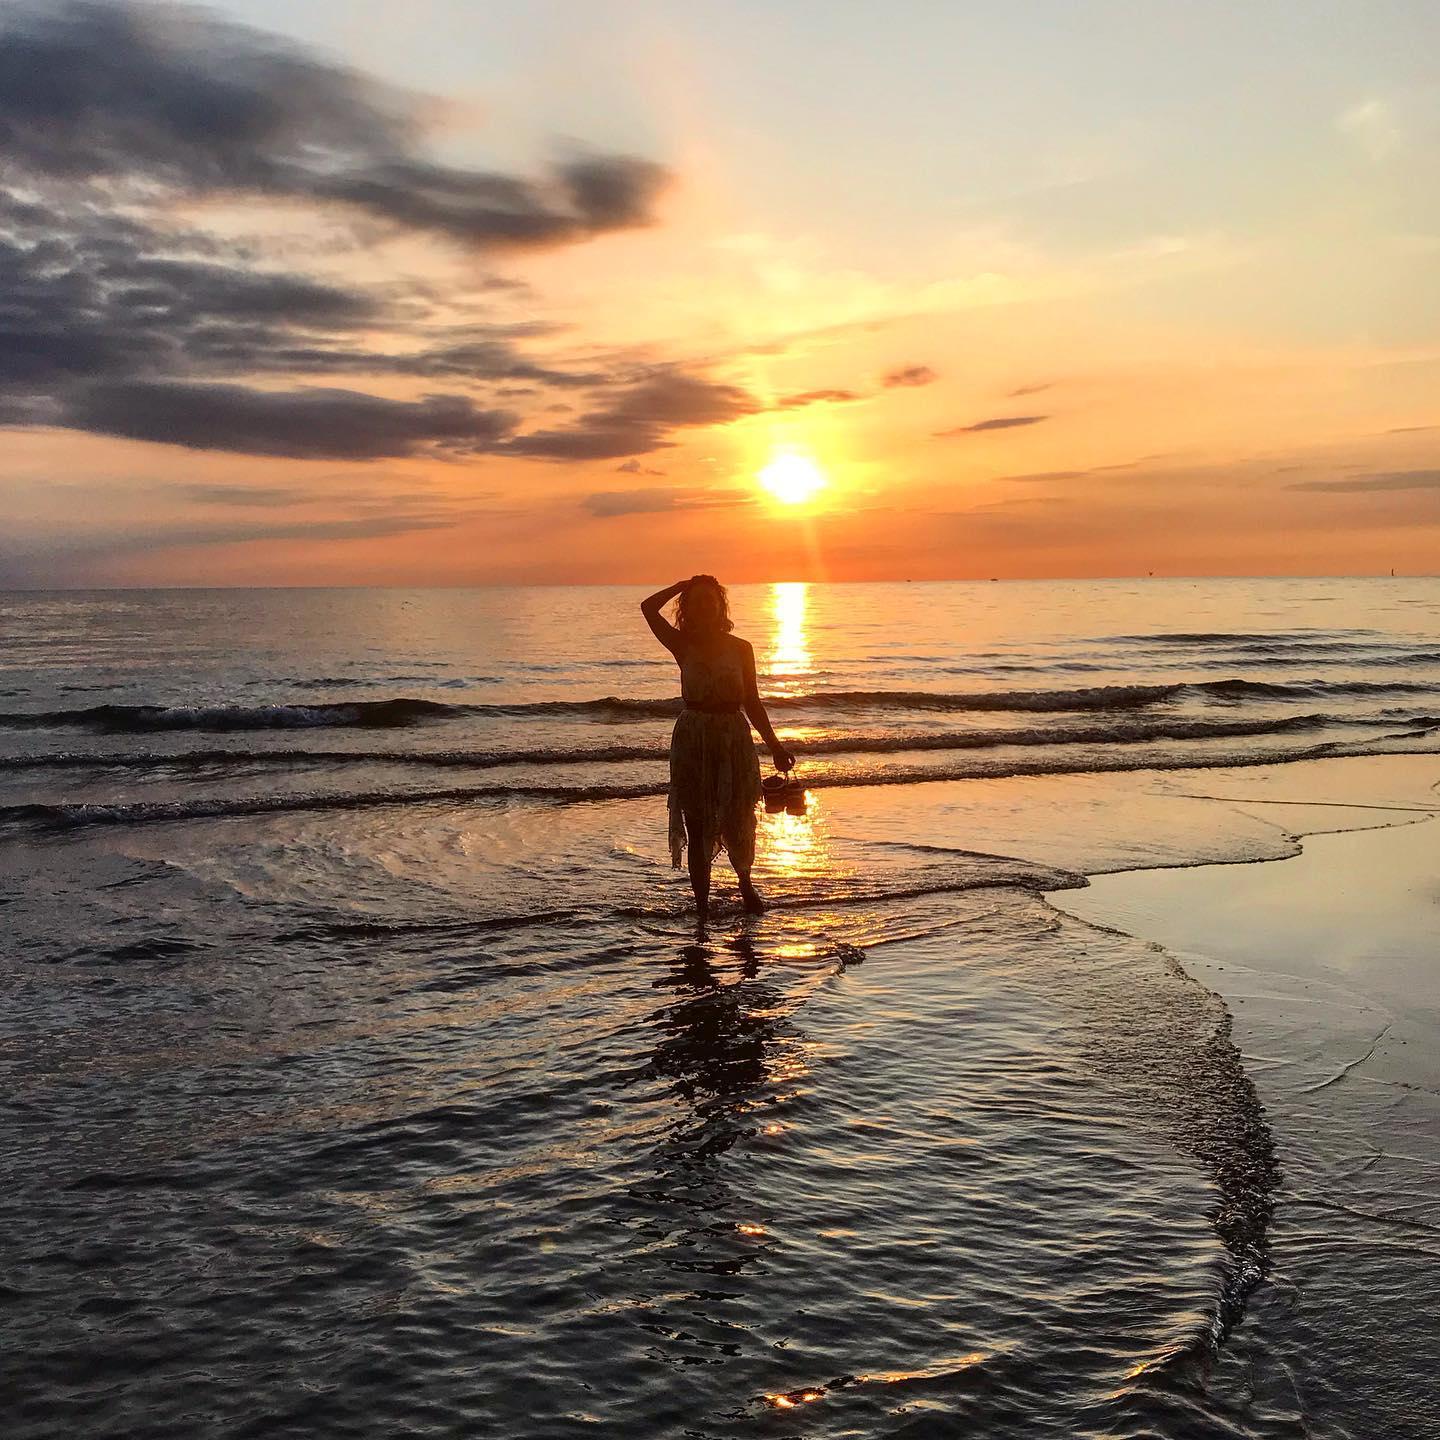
[
  {"x": 792, "y": 843},
  {"x": 788, "y": 661}
]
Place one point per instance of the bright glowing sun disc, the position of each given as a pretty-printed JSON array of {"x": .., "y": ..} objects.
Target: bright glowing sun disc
[{"x": 792, "y": 478}]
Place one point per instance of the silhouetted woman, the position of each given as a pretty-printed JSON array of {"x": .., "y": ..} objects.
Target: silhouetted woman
[{"x": 714, "y": 773}]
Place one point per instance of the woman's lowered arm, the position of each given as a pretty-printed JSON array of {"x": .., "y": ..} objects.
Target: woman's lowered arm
[{"x": 755, "y": 708}]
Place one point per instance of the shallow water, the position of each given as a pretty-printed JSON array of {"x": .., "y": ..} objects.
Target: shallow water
[
  {"x": 1328, "y": 963},
  {"x": 365, "y": 1079}
]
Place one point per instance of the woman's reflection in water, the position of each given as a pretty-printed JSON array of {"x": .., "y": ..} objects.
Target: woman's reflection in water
[
  {"x": 716, "y": 1034},
  {"x": 728, "y": 1052}
]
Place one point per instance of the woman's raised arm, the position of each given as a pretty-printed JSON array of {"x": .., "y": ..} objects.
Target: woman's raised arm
[{"x": 652, "y": 605}]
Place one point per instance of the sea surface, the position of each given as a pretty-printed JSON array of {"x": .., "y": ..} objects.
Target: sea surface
[{"x": 363, "y": 1076}]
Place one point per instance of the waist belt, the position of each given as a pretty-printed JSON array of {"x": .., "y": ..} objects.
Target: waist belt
[{"x": 731, "y": 707}]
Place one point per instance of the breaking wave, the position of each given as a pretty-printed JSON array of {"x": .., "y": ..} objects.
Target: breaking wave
[
  {"x": 404, "y": 711},
  {"x": 1129, "y": 731}
]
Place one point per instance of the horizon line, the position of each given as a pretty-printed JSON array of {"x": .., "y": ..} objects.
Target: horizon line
[{"x": 736, "y": 584}]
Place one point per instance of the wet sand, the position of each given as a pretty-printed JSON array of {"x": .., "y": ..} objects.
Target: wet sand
[{"x": 1329, "y": 961}]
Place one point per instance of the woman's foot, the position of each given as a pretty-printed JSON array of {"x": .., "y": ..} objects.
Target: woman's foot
[{"x": 750, "y": 898}]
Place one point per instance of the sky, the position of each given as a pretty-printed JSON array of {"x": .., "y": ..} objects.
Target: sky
[{"x": 467, "y": 293}]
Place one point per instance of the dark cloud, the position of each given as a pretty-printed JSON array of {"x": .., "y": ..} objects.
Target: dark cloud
[
  {"x": 80, "y": 298},
  {"x": 634, "y": 467},
  {"x": 1368, "y": 484},
  {"x": 637, "y": 419},
  {"x": 607, "y": 504},
  {"x": 116, "y": 318},
  {"x": 817, "y": 397},
  {"x": 583, "y": 198},
  {"x": 87, "y": 294},
  {"x": 22, "y": 410},
  {"x": 910, "y": 375},
  {"x": 298, "y": 424},
  {"x": 998, "y": 422},
  {"x": 176, "y": 97},
  {"x": 1023, "y": 390},
  {"x": 492, "y": 361},
  {"x": 322, "y": 423},
  {"x": 1047, "y": 475}
]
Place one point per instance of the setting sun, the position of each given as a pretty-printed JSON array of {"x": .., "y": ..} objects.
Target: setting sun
[{"x": 792, "y": 478}]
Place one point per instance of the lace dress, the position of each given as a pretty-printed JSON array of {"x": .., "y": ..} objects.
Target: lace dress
[{"x": 714, "y": 771}]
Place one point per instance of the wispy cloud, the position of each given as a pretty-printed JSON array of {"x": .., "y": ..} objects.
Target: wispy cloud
[
  {"x": 1384, "y": 481},
  {"x": 265, "y": 497},
  {"x": 607, "y": 504},
  {"x": 40, "y": 558},
  {"x": 997, "y": 422},
  {"x": 817, "y": 397},
  {"x": 1373, "y": 127},
  {"x": 909, "y": 375}
]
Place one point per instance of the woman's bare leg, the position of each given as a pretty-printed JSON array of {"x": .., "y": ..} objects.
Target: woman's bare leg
[
  {"x": 742, "y": 842},
  {"x": 697, "y": 857},
  {"x": 749, "y": 895}
]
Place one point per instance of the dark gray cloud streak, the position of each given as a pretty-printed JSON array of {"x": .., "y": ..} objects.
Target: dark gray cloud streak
[
  {"x": 117, "y": 320},
  {"x": 297, "y": 424},
  {"x": 1371, "y": 484},
  {"x": 638, "y": 419},
  {"x": 998, "y": 422}
]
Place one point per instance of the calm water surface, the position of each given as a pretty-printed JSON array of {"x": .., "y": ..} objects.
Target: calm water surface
[{"x": 363, "y": 1078}]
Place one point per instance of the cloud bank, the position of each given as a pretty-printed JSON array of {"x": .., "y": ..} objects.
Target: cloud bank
[
  {"x": 118, "y": 319},
  {"x": 182, "y": 100}
]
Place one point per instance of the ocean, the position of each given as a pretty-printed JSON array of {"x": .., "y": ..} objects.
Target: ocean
[{"x": 364, "y": 1077}]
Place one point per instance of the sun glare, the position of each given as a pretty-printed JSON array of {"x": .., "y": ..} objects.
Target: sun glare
[{"x": 792, "y": 478}]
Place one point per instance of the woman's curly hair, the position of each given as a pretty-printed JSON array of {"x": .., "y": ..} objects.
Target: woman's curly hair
[{"x": 683, "y": 619}]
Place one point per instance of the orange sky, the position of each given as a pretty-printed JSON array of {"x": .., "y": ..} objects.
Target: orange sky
[{"x": 1093, "y": 335}]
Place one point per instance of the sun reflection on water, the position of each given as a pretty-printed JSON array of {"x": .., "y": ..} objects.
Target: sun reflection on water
[
  {"x": 788, "y": 662},
  {"x": 794, "y": 850},
  {"x": 795, "y": 845}
]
